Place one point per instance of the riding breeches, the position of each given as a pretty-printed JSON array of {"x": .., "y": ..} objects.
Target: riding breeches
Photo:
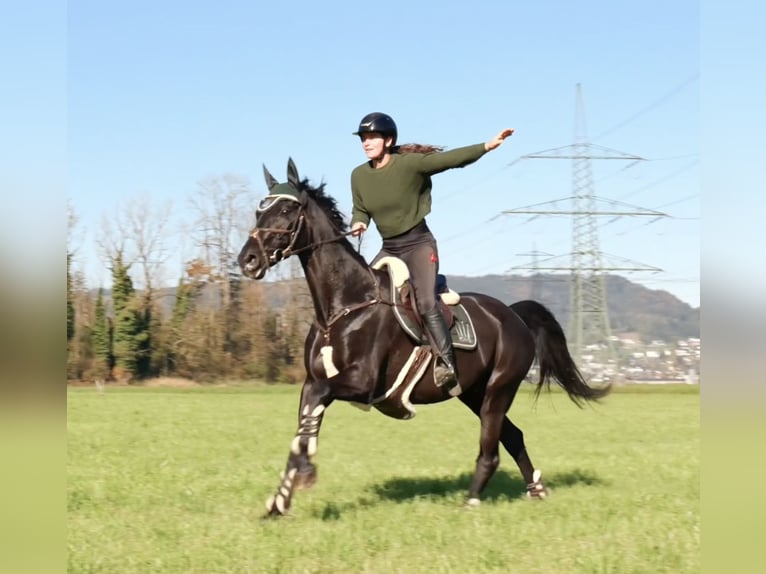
[{"x": 417, "y": 248}]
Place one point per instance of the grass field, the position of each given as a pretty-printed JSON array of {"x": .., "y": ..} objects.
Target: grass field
[{"x": 175, "y": 480}]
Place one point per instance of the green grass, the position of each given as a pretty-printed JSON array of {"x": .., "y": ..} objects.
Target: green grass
[{"x": 175, "y": 480}]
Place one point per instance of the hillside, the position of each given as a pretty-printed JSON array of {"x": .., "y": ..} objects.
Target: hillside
[
  {"x": 633, "y": 308},
  {"x": 653, "y": 314}
]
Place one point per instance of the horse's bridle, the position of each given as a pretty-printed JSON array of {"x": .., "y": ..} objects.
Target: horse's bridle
[
  {"x": 294, "y": 230},
  {"x": 278, "y": 254}
]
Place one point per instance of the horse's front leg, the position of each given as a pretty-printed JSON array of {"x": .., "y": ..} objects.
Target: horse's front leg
[
  {"x": 316, "y": 396},
  {"x": 304, "y": 445}
]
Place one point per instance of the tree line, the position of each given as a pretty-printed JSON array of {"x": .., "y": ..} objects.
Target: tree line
[{"x": 213, "y": 325}]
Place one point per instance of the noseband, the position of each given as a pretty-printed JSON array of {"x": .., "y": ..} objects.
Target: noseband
[
  {"x": 294, "y": 230},
  {"x": 278, "y": 254}
]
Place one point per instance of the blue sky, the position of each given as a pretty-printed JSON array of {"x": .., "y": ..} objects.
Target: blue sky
[{"x": 161, "y": 95}]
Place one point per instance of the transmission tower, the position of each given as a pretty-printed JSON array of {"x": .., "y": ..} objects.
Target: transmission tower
[
  {"x": 589, "y": 314},
  {"x": 536, "y": 282}
]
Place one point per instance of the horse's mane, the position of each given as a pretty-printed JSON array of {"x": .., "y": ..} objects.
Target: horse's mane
[{"x": 327, "y": 203}]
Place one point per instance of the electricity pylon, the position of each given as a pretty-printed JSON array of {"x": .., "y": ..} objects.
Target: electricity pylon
[
  {"x": 536, "y": 287},
  {"x": 589, "y": 314}
]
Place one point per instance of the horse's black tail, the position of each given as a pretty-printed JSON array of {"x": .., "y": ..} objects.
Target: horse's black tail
[{"x": 553, "y": 356}]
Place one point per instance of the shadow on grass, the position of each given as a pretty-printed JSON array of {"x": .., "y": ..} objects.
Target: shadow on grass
[{"x": 502, "y": 487}]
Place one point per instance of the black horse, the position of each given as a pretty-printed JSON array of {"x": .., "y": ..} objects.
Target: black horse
[{"x": 356, "y": 350}]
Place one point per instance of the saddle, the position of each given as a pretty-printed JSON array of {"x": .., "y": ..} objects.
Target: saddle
[
  {"x": 459, "y": 322},
  {"x": 395, "y": 402}
]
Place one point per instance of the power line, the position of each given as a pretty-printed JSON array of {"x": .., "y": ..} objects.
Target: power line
[
  {"x": 662, "y": 179},
  {"x": 651, "y": 106}
]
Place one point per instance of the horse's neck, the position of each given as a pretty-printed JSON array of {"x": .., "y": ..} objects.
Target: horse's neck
[{"x": 336, "y": 276}]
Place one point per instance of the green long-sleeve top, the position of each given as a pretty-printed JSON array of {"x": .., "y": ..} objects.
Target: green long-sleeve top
[{"x": 398, "y": 195}]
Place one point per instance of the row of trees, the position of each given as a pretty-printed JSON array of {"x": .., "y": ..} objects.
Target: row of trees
[{"x": 212, "y": 325}]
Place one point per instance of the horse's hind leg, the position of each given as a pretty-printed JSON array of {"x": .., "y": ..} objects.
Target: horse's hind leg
[
  {"x": 497, "y": 428},
  {"x": 513, "y": 441},
  {"x": 490, "y": 407}
]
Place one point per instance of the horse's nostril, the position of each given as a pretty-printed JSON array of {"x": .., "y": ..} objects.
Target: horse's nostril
[{"x": 246, "y": 259}]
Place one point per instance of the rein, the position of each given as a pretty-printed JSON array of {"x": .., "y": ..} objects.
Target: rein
[
  {"x": 325, "y": 329},
  {"x": 318, "y": 243},
  {"x": 279, "y": 254}
]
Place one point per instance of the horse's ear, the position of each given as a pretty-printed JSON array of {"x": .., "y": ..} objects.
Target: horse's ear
[
  {"x": 270, "y": 181},
  {"x": 292, "y": 174}
]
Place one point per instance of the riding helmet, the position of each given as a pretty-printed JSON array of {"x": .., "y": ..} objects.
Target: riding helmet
[{"x": 379, "y": 123}]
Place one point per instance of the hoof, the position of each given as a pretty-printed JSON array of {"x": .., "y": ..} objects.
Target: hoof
[
  {"x": 277, "y": 505},
  {"x": 536, "y": 489},
  {"x": 538, "y": 495},
  {"x": 472, "y": 503},
  {"x": 305, "y": 480}
]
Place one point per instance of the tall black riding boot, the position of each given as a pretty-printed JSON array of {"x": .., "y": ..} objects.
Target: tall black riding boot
[{"x": 445, "y": 368}]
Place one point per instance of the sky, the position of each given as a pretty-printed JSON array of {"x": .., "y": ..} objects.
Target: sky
[{"x": 161, "y": 95}]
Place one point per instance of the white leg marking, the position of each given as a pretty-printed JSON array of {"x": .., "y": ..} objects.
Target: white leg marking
[
  {"x": 270, "y": 503},
  {"x": 295, "y": 447},
  {"x": 473, "y": 502},
  {"x": 536, "y": 475},
  {"x": 318, "y": 410},
  {"x": 312, "y": 448},
  {"x": 280, "y": 504}
]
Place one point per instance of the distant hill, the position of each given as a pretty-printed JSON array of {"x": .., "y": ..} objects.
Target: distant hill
[
  {"x": 653, "y": 314},
  {"x": 633, "y": 308}
]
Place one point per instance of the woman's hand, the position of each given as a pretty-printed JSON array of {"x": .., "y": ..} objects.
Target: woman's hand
[
  {"x": 358, "y": 228},
  {"x": 498, "y": 139}
]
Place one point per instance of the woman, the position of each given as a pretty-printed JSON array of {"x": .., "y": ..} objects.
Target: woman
[{"x": 393, "y": 188}]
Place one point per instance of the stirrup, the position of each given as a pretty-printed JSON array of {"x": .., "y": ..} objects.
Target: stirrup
[{"x": 446, "y": 377}]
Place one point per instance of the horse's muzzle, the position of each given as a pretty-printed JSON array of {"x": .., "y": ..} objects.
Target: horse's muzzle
[
  {"x": 254, "y": 271},
  {"x": 252, "y": 267}
]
